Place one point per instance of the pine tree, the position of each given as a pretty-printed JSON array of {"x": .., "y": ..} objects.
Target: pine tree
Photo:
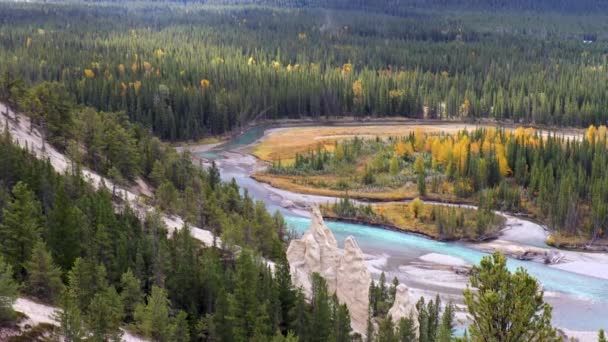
[
  {"x": 85, "y": 280},
  {"x": 180, "y": 330},
  {"x": 8, "y": 292},
  {"x": 104, "y": 316},
  {"x": 43, "y": 277},
  {"x": 300, "y": 324},
  {"x": 286, "y": 294},
  {"x": 20, "y": 229},
  {"x": 386, "y": 330},
  {"x": 446, "y": 329},
  {"x": 70, "y": 319},
  {"x": 320, "y": 322},
  {"x": 245, "y": 300},
  {"x": 507, "y": 306},
  {"x": 407, "y": 331},
  {"x": 130, "y": 294},
  {"x": 64, "y": 230},
  {"x": 341, "y": 320},
  {"x": 152, "y": 319}
]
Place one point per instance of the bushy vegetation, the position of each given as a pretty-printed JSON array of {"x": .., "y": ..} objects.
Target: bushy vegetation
[{"x": 437, "y": 221}]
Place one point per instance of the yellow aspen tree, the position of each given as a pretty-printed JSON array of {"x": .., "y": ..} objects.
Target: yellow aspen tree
[
  {"x": 590, "y": 134},
  {"x": 416, "y": 206},
  {"x": 347, "y": 69},
  {"x": 88, "y": 73},
  {"x": 147, "y": 66},
  {"x": 358, "y": 92}
]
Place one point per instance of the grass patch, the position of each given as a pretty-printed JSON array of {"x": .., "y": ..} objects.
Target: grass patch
[{"x": 284, "y": 144}]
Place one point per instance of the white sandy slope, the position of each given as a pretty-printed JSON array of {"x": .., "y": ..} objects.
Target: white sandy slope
[{"x": 39, "y": 313}]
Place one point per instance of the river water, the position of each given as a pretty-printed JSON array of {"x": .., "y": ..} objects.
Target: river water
[{"x": 580, "y": 302}]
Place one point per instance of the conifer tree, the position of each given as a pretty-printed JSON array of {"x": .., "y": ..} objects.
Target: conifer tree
[
  {"x": 152, "y": 319},
  {"x": 507, "y": 306},
  {"x": 130, "y": 294},
  {"x": 20, "y": 229},
  {"x": 8, "y": 292},
  {"x": 43, "y": 277},
  {"x": 70, "y": 319}
]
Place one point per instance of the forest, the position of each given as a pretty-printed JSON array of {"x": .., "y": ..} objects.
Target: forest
[
  {"x": 515, "y": 171},
  {"x": 190, "y": 71},
  {"x": 109, "y": 271},
  {"x": 111, "y": 83}
]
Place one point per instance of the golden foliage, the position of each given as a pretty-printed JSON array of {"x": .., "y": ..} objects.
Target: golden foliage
[
  {"x": 396, "y": 94},
  {"x": 416, "y": 206},
  {"x": 251, "y": 61},
  {"x": 159, "y": 53},
  {"x": 358, "y": 91},
  {"x": 404, "y": 149},
  {"x": 28, "y": 42},
  {"x": 147, "y": 66},
  {"x": 302, "y": 36},
  {"x": 347, "y": 69},
  {"x": 276, "y": 64},
  {"x": 465, "y": 108},
  {"x": 136, "y": 86},
  {"x": 134, "y": 67},
  {"x": 419, "y": 138},
  {"x": 121, "y": 69},
  {"x": 205, "y": 83},
  {"x": 88, "y": 73},
  {"x": 590, "y": 134}
]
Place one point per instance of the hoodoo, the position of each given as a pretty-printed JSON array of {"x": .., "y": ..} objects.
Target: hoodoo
[
  {"x": 404, "y": 307},
  {"x": 344, "y": 270}
]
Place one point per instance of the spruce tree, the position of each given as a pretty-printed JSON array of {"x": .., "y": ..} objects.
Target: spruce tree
[
  {"x": 386, "y": 330},
  {"x": 8, "y": 292},
  {"x": 130, "y": 294},
  {"x": 180, "y": 329},
  {"x": 152, "y": 319},
  {"x": 446, "y": 329},
  {"x": 320, "y": 322},
  {"x": 43, "y": 277},
  {"x": 71, "y": 325},
  {"x": 104, "y": 316},
  {"x": 407, "y": 332},
  {"x": 20, "y": 229}
]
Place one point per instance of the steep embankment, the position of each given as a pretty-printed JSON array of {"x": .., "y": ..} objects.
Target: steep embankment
[{"x": 32, "y": 139}]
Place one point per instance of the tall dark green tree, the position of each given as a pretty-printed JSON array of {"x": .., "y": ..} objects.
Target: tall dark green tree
[
  {"x": 43, "y": 277},
  {"x": 8, "y": 292},
  {"x": 20, "y": 229}
]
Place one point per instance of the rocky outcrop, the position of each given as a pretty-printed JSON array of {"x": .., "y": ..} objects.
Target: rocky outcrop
[
  {"x": 352, "y": 286},
  {"x": 345, "y": 271},
  {"x": 404, "y": 307}
]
